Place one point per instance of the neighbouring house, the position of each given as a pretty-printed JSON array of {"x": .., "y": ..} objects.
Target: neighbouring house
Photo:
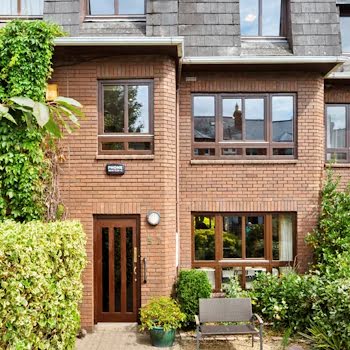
[{"x": 209, "y": 127}]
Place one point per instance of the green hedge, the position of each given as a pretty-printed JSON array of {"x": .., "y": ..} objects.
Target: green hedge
[
  {"x": 40, "y": 279},
  {"x": 192, "y": 285}
]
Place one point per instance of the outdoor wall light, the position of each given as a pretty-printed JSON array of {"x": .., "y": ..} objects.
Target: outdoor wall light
[{"x": 153, "y": 218}]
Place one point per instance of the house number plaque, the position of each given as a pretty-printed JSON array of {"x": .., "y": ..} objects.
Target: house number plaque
[{"x": 115, "y": 169}]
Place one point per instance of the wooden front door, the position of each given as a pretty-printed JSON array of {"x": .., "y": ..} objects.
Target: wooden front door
[{"x": 117, "y": 260}]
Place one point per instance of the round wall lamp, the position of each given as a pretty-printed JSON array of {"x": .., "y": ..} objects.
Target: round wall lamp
[{"x": 153, "y": 218}]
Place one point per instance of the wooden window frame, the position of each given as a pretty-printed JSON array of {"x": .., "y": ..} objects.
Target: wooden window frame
[
  {"x": 125, "y": 137},
  {"x": 115, "y": 15},
  {"x": 345, "y": 149},
  {"x": 284, "y": 20},
  {"x": 268, "y": 144},
  {"x": 220, "y": 263},
  {"x": 19, "y": 10}
]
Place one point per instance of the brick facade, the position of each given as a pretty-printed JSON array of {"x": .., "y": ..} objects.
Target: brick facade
[
  {"x": 204, "y": 186},
  {"x": 255, "y": 186},
  {"x": 147, "y": 184}
]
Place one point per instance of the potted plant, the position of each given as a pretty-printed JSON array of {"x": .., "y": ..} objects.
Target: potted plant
[{"x": 161, "y": 317}]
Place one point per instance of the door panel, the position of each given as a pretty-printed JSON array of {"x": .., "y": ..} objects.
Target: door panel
[{"x": 117, "y": 261}]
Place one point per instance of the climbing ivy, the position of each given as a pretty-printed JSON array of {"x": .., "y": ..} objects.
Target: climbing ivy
[{"x": 26, "y": 119}]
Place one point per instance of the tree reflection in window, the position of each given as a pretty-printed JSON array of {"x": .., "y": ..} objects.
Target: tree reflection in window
[{"x": 204, "y": 235}]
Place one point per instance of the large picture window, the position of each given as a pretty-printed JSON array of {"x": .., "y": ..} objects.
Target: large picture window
[
  {"x": 244, "y": 126},
  {"x": 126, "y": 117},
  {"x": 116, "y": 7},
  {"x": 263, "y": 17},
  {"x": 21, "y": 8},
  {"x": 241, "y": 244},
  {"x": 338, "y": 135}
]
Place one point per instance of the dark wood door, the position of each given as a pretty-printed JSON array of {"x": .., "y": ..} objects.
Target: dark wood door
[{"x": 117, "y": 261}]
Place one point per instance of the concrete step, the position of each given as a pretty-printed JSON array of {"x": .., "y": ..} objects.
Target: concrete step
[{"x": 116, "y": 327}]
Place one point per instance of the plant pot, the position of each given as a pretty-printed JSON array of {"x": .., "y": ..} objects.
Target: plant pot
[{"x": 162, "y": 339}]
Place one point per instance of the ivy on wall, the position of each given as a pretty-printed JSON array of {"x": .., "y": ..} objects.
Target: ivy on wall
[{"x": 27, "y": 121}]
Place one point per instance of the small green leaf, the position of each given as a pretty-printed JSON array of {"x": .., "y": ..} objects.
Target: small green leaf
[
  {"x": 23, "y": 101},
  {"x": 68, "y": 100},
  {"x": 9, "y": 117},
  {"x": 41, "y": 113}
]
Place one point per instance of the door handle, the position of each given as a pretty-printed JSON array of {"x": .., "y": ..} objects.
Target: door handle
[
  {"x": 144, "y": 270},
  {"x": 135, "y": 255}
]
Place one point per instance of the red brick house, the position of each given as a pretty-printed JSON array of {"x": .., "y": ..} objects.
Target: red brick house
[{"x": 215, "y": 118}]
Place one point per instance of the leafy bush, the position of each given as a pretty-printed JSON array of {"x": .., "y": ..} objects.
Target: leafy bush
[
  {"x": 284, "y": 301},
  {"x": 318, "y": 302},
  {"x": 192, "y": 285},
  {"x": 40, "y": 278},
  {"x": 161, "y": 312},
  {"x": 234, "y": 290},
  {"x": 330, "y": 326}
]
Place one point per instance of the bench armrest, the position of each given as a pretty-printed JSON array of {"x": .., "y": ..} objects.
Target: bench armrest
[
  {"x": 258, "y": 318},
  {"x": 197, "y": 320}
]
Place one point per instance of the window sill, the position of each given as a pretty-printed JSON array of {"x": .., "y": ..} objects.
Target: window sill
[
  {"x": 125, "y": 157},
  {"x": 242, "y": 161},
  {"x": 337, "y": 165},
  {"x": 11, "y": 18},
  {"x": 264, "y": 39},
  {"x": 130, "y": 18}
]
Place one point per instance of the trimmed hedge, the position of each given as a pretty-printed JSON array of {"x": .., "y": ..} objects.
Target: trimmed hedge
[
  {"x": 192, "y": 285},
  {"x": 40, "y": 279}
]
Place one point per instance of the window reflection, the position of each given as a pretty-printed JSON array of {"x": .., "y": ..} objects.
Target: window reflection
[
  {"x": 232, "y": 118},
  {"x": 204, "y": 235},
  {"x": 204, "y": 118},
  {"x": 271, "y": 17},
  {"x": 131, "y": 7},
  {"x": 101, "y": 7},
  {"x": 255, "y": 119},
  {"x": 249, "y": 11},
  {"x": 138, "y": 109},
  {"x": 254, "y": 231},
  {"x": 113, "y": 109},
  {"x": 260, "y": 17},
  {"x": 232, "y": 237},
  {"x": 345, "y": 33},
  {"x": 336, "y": 127},
  {"x": 282, "y": 118}
]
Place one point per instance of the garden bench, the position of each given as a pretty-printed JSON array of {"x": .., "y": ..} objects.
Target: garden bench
[{"x": 216, "y": 311}]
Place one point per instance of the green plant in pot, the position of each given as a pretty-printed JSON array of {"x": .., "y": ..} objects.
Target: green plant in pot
[{"x": 161, "y": 317}]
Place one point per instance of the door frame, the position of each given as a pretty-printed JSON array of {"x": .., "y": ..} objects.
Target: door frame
[{"x": 96, "y": 219}]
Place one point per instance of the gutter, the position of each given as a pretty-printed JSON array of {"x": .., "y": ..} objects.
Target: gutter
[
  {"x": 263, "y": 60},
  {"x": 124, "y": 41},
  {"x": 339, "y": 75}
]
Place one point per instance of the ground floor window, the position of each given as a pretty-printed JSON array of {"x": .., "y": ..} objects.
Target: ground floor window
[{"x": 243, "y": 244}]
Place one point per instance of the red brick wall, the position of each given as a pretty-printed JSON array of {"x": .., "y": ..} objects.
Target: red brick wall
[
  {"x": 147, "y": 184},
  {"x": 264, "y": 186}
]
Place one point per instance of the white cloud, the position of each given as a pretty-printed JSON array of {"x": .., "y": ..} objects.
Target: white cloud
[{"x": 250, "y": 18}]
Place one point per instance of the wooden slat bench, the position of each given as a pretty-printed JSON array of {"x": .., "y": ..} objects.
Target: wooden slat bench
[{"x": 220, "y": 310}]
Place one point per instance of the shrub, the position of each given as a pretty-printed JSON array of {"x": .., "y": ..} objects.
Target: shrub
[
  {"x": 191, "y": 286},
  {"x": 161, "y": 312},
  {"x": 40, "y": 278},
  {"x": 284, "y": 301},
  {"x": 234, "y": 290}
]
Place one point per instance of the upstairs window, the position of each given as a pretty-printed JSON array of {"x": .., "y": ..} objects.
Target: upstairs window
[
  {"x": 244, "y": 126},
  {"x": 345, "y": 28},
  {"x": 338, "y": 135},
  {"x": 263, "y": 17},
  {"x": 116, "y": 7},
  {"x": 22, "y": 8},
  {"x": 126, "y": 123}
]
